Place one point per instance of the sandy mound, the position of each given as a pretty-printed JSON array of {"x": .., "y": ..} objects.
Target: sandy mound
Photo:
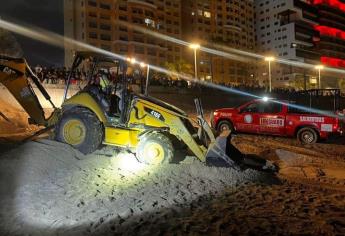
[{"x": 46, "y": 189}]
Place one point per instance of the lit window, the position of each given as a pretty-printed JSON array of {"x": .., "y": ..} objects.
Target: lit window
[
  {"x": 150, "y": 22},
  {"x": 207, "y": 14}
]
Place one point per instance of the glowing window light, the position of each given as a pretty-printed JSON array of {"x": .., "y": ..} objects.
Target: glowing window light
[
  {"x": 207, "y": 14},
  {"x": 333, "y": 62},
  {"x": 329, "y": 31},
  {"x": 333, "y": 3}
]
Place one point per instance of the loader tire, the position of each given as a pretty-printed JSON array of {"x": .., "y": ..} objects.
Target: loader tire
[
  {"x": 307, "y": 136},
  {"x": 154, "y": 149},
  {"x": 80, "y": 128},
  {"x": 225, "y": 125}
]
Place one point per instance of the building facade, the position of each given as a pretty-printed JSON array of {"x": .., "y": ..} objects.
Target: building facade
[
  {"x": 307, "y": 31},
  {"x": 96, "y": 22},
  {"x": 331, "y": 32},
  {"x": 220, "y": 24},
  {"x": 211, "y": 23}
]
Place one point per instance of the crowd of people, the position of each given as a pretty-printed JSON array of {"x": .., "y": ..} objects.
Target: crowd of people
[
  {"x": 58, "y": 75},
  {"x": 79, "y": 77}
]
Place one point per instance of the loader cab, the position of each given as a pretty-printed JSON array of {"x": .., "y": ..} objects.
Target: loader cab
[{"x": 108, "y": 80}]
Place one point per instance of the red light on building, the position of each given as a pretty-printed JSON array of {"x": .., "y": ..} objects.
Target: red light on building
[
  {"x": 329, "y": 31},
  {"x": 333, "y": 3},
  {"x": 333, "y": 62}
]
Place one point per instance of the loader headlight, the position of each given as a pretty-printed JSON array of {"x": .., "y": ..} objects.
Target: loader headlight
[
  {"x": 127, "y": 170},
  {"x": 128, "y": 162}
]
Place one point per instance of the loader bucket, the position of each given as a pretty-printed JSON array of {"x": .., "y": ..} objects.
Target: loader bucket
[{"x": 222, "y": 153}]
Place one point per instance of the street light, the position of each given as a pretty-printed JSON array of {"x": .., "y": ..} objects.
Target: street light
[
  {"x": 319, "y": 68},
  {"x": 133, "y": 60},
  {"x": 269, "y": 60},
  {"x": 195, "y": 47},
  {"x": 143, "y": 65}
]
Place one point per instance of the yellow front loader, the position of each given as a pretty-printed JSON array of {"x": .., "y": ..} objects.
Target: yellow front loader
[{"x": 112, "y": 114}]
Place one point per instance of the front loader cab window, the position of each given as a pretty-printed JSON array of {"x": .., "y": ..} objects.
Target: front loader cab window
[{"x": 107, "y": 80}]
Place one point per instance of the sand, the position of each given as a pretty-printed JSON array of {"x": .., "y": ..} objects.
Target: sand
[{"x": 48, "y": 188}]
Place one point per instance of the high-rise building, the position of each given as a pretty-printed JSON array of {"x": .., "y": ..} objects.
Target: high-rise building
[
  {"x": 307, "y": 31},
  {"x": 331, "y": 31},
  {"x": 95, "y": 22},
  {"x": 220, "y": 22}
]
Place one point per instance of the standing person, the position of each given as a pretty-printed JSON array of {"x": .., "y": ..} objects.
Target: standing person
[
  {"x": 103, "y": 81},
  {"x": 39, "y": 74}
]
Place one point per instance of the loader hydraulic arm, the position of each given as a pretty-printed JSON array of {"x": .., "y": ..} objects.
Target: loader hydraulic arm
[{"x": 14, "y": 75}]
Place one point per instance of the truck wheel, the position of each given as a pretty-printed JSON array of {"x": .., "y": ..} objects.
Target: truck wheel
[
  {"x": 307, "y": 136},
  {"x": 225, "y": 125},
  {"x": 154, "y": 149},
  {"x": 80, "y": 128}
]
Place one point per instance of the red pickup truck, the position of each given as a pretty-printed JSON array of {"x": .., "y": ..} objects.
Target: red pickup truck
[{"x": 265, "y": 116}]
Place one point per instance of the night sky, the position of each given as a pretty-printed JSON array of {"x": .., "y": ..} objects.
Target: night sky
[{"x": 47, "y": 14}]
